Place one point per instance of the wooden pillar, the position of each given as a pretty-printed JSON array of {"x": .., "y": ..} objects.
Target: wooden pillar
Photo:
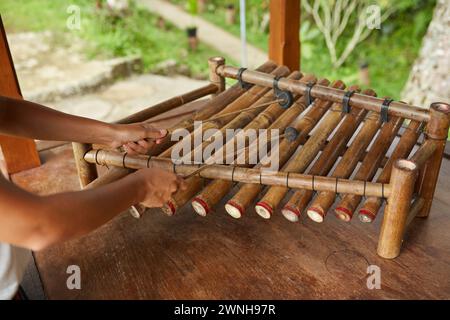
[
  {"x": 403, "y": 177},
  {"x": 284, "y": 39},
  {"x": 18, "y": 153}
]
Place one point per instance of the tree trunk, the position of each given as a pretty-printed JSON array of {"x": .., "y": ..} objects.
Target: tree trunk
[{"x": 429, "y": 78}]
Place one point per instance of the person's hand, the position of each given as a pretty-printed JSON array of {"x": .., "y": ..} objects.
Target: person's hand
[
  {"x": 137, "y": 137},
  {"x": 158, "y": 186}
]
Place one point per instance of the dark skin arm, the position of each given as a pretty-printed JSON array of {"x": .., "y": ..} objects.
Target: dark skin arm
[
  {"x": 31, "y": 120},
  {"x": 35, "y": 222}
]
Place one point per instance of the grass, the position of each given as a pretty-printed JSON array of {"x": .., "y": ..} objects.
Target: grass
[{"x": 107, "y": 36}]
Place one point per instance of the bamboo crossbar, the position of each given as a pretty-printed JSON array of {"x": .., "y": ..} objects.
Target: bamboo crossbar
[
  {"x": 239, "y": 174},
  {"x": 169, "y": 104},
  {"x": 327, "y": 93}
]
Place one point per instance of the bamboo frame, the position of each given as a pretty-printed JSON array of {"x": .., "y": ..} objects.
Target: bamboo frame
[
  {"x": 239, "y": 174},
  {"x": 407, "y": 185},
  {"x": 397, "y": 109},
  {"x": 87, "y": 172}
]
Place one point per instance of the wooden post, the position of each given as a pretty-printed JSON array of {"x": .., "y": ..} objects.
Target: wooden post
[
  {"x": 404, "y": 174},
  {"x": 19, "y": 154},
  {"x": 284, "y": 38},
  {"x": 437, "y": 130},
  {"x": 87, "y": 172},
  {"x": 214, "y": 78}
]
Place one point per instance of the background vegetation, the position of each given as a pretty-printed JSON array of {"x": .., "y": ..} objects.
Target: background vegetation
[
  {"x": 389, "y": 52},
  {"x": 107, "y": 36}
]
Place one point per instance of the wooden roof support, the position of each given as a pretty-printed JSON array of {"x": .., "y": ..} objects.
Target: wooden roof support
[{"x": 284, "y": 38}]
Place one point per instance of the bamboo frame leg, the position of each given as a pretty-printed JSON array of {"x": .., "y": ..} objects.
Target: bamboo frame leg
[
  {"x": 404, "y": 174},
  {"x": 87, "y": 172},
  {"x": 214, "y": 78},
  {"x": 437, "y": 130}
]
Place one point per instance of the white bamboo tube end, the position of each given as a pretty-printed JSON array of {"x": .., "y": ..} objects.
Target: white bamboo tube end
[
  {"x": 366, "y": 216},
  {"x": 264, "y": 210},
  {"x": 200, "y": 207},
  {"x": 290, "y": 213},
  {"x": 234, "y": 209},
  {"x": 169, "y": 208},
  {"x": 343, "y": 214},
  {"x": 315, "y": 214}
]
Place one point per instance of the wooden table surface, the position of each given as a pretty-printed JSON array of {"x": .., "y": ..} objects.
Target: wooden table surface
[{"x": 217, "y": 257}]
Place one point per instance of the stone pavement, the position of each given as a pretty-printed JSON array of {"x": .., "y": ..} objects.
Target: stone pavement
[
  {"x": 49, "y": 67},
  {"x": 57, "y": 74},
  {"x": 208, "y": 33},
  {"x": 125, "y": 96}
]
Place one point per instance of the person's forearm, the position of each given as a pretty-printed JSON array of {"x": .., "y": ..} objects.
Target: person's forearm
[
  {"x": 70, "y": 215},
  {"x": 36, "y": 222},
  {"x": 28, "y": 119}
]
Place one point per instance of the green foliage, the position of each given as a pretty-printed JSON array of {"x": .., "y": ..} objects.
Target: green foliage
[
  {"x": 192, "y": 7},
  {"x": 110, "y": 36},
  {"x": 389, "y": 51}
]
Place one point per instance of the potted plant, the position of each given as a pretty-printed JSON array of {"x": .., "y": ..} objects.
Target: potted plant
[{"x": 192, "y": 30}]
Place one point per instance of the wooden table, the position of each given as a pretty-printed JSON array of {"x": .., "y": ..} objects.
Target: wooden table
[{"x": 218, "y": 257}]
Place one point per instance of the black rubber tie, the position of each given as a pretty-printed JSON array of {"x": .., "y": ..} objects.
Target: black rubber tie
[
  {"x": 96, "y": 155},
  {"x": 123, "y": 160},
  {"x": 309, "y": 99},
  {"x": 346, "y": 100},
  {"x": 384, "y": 110},
  {"x": 242, "y": 83}
]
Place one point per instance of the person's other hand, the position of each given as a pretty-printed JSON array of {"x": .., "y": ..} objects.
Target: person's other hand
[
  {"x": 137, "y": 137},
  {"x": 158, "y": 186}
]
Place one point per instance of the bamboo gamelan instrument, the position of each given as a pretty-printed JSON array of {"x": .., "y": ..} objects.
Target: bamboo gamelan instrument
[{"x": 334, "y": 141}]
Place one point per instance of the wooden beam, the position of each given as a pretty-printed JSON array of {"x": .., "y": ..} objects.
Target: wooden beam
[
  {"x": 284, "y": 39},
  {"x": 18, "y": 154}
]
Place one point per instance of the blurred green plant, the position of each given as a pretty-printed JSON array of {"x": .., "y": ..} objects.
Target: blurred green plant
[
  {"x": 192, "y": 7},
  {"x": 108, "y": 35}
]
